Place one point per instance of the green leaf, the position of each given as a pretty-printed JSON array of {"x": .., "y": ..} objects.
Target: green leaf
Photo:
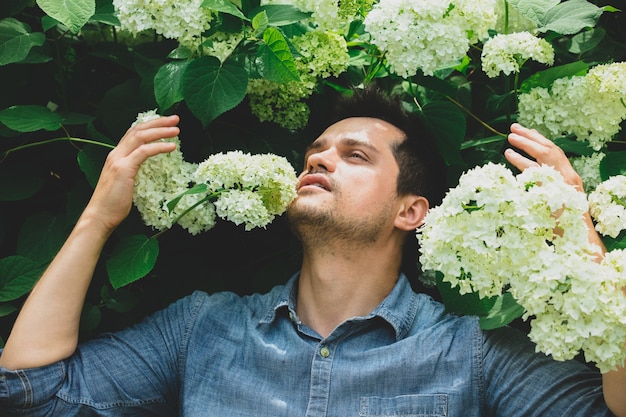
[
  {"x": 18, "y": 275},
  {"x": 571, "y": 17},
  {"x": 274, "y": 59},
  {"x": 224, "y": 6},
  {"x": 570, "y": 145},
  {"x": 260, "y": 22},
  {"x": 534, "y": 10},
  {"x": 448, "y": 123},
  {"x": 72, "y": 13},
  {"x": 91, "y": 160},
  {"x": 504, "y": 310},
  {"x": 614, "y": 163},
  {"x": 463, "y": 304},
  {"x": 120, "y": 301},
  {"x": 282, "y": 14},
  {"x": 482, "y": 141},
  {"x": 41, "y": 237},
  {"x": 196, "y": 189},
  {"x": 71, "y": 118},
  {"x": 16, "y": 41},
  {"x": 30, "y": 118},
  {"x": 90, "y": 317},
  {"x": 6, "y": 309},
  {"x": 212, "y": 88},
  {"x": 105, "y": 14},
  {"x": 545, "y": 78},
  {"x": 19, "y": 181},
  {"x": 586, "y": 41},
  {"x": 132, "y": 258},
  {"x": 168, "y": 84}
]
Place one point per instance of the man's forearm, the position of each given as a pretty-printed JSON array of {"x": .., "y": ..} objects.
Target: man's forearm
[{"x": 46, "y": 329}]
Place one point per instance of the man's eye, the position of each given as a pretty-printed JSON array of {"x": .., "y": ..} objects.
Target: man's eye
[{"x": 357, "y": 155}]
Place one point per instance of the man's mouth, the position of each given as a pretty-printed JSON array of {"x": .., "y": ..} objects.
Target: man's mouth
[{"x": 314, "y": 180}]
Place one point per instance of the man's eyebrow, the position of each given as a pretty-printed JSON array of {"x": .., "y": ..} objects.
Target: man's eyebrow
[{"x": 321, "y": 143}]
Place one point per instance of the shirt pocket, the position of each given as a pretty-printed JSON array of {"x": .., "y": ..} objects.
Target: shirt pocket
[{"x": 418, "y": 405}]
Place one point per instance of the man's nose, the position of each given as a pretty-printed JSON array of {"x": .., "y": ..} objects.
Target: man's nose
[{"x": 321, "y": 161}]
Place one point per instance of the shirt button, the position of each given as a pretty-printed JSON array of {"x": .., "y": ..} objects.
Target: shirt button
[{"x": 324, "y": 352}]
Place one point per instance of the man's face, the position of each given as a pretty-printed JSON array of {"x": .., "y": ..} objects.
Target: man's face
[{"x": 348, "y": 187}]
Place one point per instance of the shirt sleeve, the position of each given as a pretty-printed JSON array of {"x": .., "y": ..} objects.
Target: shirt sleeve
[
  {"x": 521, "y": 382},
  {"x": 133, "y": 372}
]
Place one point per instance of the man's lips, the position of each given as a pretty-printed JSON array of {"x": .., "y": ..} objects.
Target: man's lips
[{"x": 314, "y": 180}]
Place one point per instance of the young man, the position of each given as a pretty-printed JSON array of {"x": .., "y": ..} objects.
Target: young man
[{"x": 345, "y": 336}]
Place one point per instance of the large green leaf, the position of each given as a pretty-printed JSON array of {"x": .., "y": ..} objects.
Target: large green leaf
[
  {"x": 91, "y": 160},
  {"x": 534, "y": 10},
  {"x": 19, "y": 181},
  {"x": 212, "y": 88},
  {"x": 132, "y": 258},
  {"x": 463, "y": 304},
  {"x": 224, "y": 6},
  {"x": 614, "y": 163},
  {"x": 16, "y": 41},
  {"x": 571, "y": 17},
  {"x": 72, "y": 13},
  {"x": 168, "y": 84},
  {"x": 41, "y": 237},
  {"x": 504, "y": 310},
  {"x": 545, "y": 78},
  {"x": 448, "y": 124},
  {"x": 282, "y": 14},
  {"x": 30, "y": 118},
  {"x": 274, "y": 59},
  {"x": 18, "y": 275},
  {"x": 6, "y": 309}
]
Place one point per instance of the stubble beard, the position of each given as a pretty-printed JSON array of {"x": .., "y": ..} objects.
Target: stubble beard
[{"x": 320, "y": 227}]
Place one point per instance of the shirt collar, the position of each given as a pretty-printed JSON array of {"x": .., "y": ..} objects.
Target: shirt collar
[{"x": 398, "y": 308}]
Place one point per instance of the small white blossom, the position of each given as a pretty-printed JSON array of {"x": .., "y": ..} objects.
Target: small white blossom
[
  {"x": 607, "y": 204},
  {"x": 588, "y": 167},
  {"x": 505, "y": 53}
]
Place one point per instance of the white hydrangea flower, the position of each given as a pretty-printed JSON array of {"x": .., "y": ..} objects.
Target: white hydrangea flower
[
  {"x": 589, "y": 107},
  {"x": 607, "y": 205},
  {"x": 183, "y": 20},
  {"x": 241, "y": 188},
  {"x": 504, "y": 53},
  {"x": 427, "y": 34},
  {"x": 160, "y": 179},
  {"x": 221, "y": 44},
  {"x": 588, "y": 167},
  {"x": 249, "y": 189},
  {"x": 526, "y": 234}
]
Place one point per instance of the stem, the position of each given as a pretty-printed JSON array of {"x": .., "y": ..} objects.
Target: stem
[
  {"x": 45, "y": 142},
  {"x": 618, "y": 200},
  {"x": 491, "y": 129}
]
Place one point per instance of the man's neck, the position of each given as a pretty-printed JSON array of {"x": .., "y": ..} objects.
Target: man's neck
[{"x": 337, "y": 285}]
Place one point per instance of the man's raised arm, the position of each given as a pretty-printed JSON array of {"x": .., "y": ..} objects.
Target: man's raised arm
[
  {"x": 46, "y": 329},
  {"x": 546, "y": 152}
]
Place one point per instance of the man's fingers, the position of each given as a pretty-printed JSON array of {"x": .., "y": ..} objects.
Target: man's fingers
[{"x": 150, "y": 131}]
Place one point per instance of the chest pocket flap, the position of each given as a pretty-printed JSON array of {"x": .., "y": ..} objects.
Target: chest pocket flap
[{"x": 419, "y": 405}]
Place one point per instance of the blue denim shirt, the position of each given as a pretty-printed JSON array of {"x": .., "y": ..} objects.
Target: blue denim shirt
[{"x": 225, "y": 355}]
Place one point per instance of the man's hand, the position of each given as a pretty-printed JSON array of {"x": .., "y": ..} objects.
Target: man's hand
[
  {"x": 112, "y": 198},
  {"x": 543, "y": 150}
]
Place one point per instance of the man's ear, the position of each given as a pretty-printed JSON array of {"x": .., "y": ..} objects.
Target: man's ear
[{"x": 411, "y": 212}]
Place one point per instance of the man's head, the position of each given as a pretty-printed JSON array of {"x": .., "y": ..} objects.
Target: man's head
[{"x": 422, "y": 170}]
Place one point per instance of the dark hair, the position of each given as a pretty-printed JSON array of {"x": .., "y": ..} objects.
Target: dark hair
[{"x": 422, "y": 170}]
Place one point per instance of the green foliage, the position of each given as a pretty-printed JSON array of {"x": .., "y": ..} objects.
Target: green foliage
[{"x": 73, "y": 82}]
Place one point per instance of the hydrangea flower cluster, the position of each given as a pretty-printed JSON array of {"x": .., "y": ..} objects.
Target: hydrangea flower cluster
[
  {"x": 322, "y": 55},
  {"x": 184, "y": 21},
  {"x": 498, "y": 232},
  {"x": 588, "y": 167},
  {"x": 505, "y": 53},
  {"x": 426, "y": 34},
  {"x": 241, "y": 188},
  {"x": 589, "y": 107},
  {"x": 607, "y": 206}
]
